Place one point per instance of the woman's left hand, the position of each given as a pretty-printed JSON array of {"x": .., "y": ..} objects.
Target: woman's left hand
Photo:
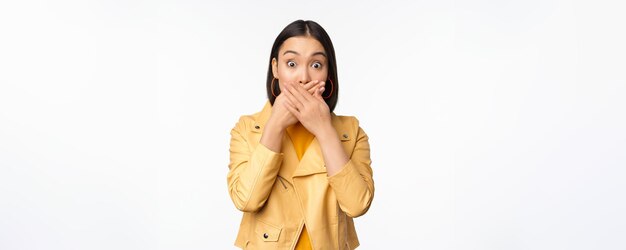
[{"x": 311, "y": 110}]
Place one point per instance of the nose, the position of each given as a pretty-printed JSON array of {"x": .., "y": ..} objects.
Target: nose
[{"x": 304, "y": 76}]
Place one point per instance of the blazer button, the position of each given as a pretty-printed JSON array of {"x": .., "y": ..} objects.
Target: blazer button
[
  {"x": 265, "y": 235},
  {"x": 257, "y": 127},
  {"x": 345, "y": 136}
]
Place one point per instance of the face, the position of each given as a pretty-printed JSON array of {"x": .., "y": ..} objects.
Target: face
[{"x": 301, "y": 59}]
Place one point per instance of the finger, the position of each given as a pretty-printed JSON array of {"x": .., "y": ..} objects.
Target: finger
[
  {"x": 310, "y": 84},
  {"x": 313, "y": 89},
  {"x": 285, "y": 99},
  {"x": 296, "y": 103},
  {"x": 294, "y": 90},
  {"x": 318, "y": 86},
  {"x": 306, "y": 96},
  {"x": 293, "y": 111},
  {"x": 321, "y": 95},
  {"x": 318, "y": 93}
]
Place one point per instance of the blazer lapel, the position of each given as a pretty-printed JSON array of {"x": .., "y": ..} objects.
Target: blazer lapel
[{"x": 313, "y": 159}]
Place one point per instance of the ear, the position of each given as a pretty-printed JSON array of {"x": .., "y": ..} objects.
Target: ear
[{"x": 275, "y": 67}]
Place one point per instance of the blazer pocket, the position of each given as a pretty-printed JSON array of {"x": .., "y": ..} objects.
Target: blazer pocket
[{"x": 266, "y": 231}]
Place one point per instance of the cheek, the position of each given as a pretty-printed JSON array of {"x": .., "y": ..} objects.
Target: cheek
[
  {"x": 319, "y": 76},
  {"x": 284, "y": 83},
  {"x": 286, "y": 78}
]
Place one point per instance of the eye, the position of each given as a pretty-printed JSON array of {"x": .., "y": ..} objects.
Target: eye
[
  {"x": 316, "y": 65},
  {"x": 291, "y": 64}
]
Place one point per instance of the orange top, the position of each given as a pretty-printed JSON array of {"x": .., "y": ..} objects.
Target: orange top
[{"x": 301, "y": 139}]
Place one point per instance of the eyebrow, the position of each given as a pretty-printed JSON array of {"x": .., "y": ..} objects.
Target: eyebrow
[{"x": 316, "y": 53}]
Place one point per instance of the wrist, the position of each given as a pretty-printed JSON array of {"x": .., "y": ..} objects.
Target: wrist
[
  {"x": 274, "y": 127},
  {"x": 272, "y": 136},
  {"x": 327, "y": 133},
  {"x": 275, "y": 124}
]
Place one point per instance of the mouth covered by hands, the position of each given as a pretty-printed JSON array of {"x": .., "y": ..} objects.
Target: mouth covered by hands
[{"x": 308, "y": 106}]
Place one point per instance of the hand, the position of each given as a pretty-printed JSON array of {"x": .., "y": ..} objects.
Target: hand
[
  {"x": 309, "y": 109},
  {"x": 313, "y": 86},
  {"x": 281, "y": 115}
]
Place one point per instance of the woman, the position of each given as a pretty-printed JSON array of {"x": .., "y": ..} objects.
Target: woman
[{"x": 299, "y": 172}]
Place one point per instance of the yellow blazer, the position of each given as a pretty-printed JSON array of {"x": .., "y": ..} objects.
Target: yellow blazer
[{"x": 278, "y": 193}]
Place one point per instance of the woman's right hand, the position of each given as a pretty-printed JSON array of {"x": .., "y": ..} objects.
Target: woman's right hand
[{"x": 281, "y": 116}]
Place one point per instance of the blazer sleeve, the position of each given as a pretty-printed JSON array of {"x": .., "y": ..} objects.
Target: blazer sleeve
[
  {"x": 353, "y": 184},
  {"x": 252, "y": 172}
]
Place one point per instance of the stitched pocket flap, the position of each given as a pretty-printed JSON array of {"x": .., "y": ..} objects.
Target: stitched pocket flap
[{"x": 266, "y": 231}]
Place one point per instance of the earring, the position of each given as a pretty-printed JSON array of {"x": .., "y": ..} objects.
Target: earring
[
  {"x": 272, "y": 86},
  {"x": 332, "y": 88}
]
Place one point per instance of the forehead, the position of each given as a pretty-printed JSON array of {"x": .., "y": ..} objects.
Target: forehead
[{"x": 304, "y": 45}]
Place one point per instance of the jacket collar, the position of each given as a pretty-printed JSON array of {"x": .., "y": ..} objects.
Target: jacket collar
[{"x": 312, "y": 161}]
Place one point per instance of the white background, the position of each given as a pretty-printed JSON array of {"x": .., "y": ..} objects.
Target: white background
[{"x": 493, "y": 124}]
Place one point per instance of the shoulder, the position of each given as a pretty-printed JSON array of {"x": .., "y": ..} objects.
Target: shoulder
[
  {"x": 250, "y": 117},
  {"x": 347, "y": 120},
  {"x": 254, "y": 120},
  {"x": 347, "y": 123},
  {"x": 246, "y": 122}
]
